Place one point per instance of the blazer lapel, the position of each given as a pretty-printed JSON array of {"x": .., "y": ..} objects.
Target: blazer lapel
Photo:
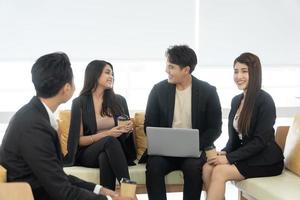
[
  {"x": 88, "y": 114},
  {"x": 171, "y": 103},
  {"x": 39, "y": 105},
  {"x": 195, "y": 102},
  {"x": 235, "y": 107},
  {"x": 91, "y": 114}
]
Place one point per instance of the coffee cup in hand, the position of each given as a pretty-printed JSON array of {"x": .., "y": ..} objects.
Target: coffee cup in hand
[
  {"x": 123, "y": 120},
  {"x": 128, "y": 188},
  {"x": 211, "y": 152}
]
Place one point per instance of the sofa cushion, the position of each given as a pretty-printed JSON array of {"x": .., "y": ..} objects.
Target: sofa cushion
[
  {"x": 282, "y": 187},
  {"x": 64, "y": 117},
  {"x": 87, "y": 174},
  {"x": 140, "y": 136},
  {"x": 292, "y": 147},
  {"x": 137, "y": 173}
]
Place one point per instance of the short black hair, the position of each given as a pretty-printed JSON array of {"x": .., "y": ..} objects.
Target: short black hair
[
  {"x": 182, "y": 55},
  {"x": 50, "y": 73}
]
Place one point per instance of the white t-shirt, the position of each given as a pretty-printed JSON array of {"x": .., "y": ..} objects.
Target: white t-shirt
[{"x": 183, "y": 108}]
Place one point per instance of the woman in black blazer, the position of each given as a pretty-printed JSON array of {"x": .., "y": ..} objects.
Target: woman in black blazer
[
  {"x": 251, "y": 150},
  {"x": 95, "y": 137}
]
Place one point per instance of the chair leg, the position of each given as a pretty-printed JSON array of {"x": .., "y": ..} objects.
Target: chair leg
[{"x": 241, "y": 197}]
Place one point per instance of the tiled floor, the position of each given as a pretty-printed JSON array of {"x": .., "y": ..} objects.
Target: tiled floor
[{"x": 231, "y": 194}]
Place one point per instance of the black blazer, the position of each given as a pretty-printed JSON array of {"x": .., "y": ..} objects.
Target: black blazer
[
  {"x": 259, "y": 146},
  {"x": 206, "y": 109},
  {"x": 30, "y": 152},
  {"x": 83, "y": 106}
]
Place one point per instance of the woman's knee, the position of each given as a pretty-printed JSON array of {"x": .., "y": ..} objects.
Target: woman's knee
[
  {"x": 111, "y": 142},
  {"x": 219, "y": 173},
  {"x": 102, "y": 157},
  {"x": 207, "y": 170},
  {"x": 109, "y": 139}
]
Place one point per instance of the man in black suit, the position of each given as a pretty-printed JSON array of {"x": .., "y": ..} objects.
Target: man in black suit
[
  {"x": 30, "y": 148},
  {"x": 182, "y": 101}
]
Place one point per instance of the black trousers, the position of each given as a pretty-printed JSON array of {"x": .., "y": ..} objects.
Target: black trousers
[
  {"x": 40, "y": 193},
  {"x": 108, "y": 155},
  {"x": 159, "y": 166}
]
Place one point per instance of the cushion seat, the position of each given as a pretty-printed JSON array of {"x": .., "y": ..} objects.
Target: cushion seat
[
  {"x": 282, "y": 187},
  {"x": 137, "y": 173}
]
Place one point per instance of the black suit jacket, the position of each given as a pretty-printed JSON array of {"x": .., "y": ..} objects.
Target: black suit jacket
[
  {"x": 30, "y": 152},
  {"x": 206, "y": 109},
  {"x": 259, "y": 146},
  {"x": 83, "y": 107}
]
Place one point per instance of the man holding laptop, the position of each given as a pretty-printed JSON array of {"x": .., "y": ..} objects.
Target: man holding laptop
[{"x": 182, "y": 102}]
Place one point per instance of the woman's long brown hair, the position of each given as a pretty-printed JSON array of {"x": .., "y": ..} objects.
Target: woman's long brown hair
[
  {"x": 93, "y": 71},
  {"x": 254, "y": 86}
]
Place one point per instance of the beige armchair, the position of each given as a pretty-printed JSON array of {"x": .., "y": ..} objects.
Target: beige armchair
[{"x": 13, "y": 191}]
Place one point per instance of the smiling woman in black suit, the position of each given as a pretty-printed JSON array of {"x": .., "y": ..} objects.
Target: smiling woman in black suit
[
  {"x": 251, "y": 150},
  {"x": 96, "y": 138}
]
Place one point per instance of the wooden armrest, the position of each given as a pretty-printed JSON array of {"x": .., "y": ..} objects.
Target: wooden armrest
[
  {"x": 3, "y": 175},
  {"x": 280, "y": 135},
  {"x": 15, "y": 191}
]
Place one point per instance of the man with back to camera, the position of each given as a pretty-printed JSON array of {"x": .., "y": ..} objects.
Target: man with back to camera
[
  {"x": 30, "y": 149},
  {"x": 182, "y": 101}
]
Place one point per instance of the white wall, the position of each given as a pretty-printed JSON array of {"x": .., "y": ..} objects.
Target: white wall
[
  {"x": 114, "y": 29},
  {"x": 141, "y": 30},
  {"x": 270, "y": 28}
]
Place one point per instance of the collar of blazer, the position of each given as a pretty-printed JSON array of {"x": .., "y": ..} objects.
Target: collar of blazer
[{"x": 40, "y": 107}]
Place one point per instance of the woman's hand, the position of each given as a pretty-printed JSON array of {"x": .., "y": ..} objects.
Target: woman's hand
[
  {"x": 129, "y": 126},
  {"x": 126, "y": 128},
  {"x": 119, "y": 130},
  {"x": 219, "y": 160},
  {"x": 116, "y": 131}
]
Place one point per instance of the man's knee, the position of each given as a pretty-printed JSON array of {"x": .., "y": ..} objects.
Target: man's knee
[
  {"x": 192, "y": 167},
  {"x": 155, "y": 165}
]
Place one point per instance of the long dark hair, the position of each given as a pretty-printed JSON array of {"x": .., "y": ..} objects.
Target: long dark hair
[
  {"x": 110, "y": 105},
  {"x": 254, "y": 86}
]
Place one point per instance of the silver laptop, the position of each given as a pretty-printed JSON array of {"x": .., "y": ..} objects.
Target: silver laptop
[{"x": 174, "y": 142}]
